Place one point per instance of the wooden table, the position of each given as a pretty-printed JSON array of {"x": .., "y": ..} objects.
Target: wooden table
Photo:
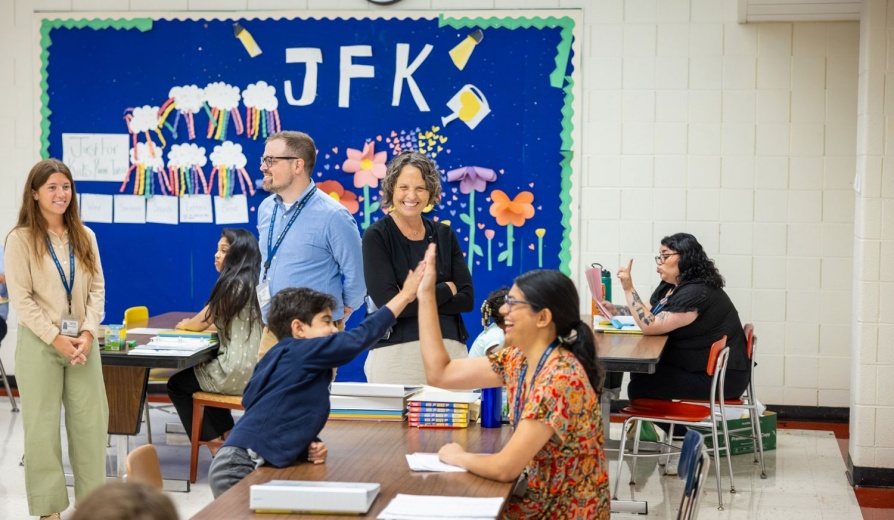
[
  {"x": 361, "y": 451},
  {"x": 126, "y": 380}
]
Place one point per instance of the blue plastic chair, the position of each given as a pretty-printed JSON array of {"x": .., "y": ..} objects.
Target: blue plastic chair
[{"x": 693, "y": 468}]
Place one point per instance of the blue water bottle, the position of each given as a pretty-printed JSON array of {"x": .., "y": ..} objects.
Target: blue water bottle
[{"x": 492, "y": 407}]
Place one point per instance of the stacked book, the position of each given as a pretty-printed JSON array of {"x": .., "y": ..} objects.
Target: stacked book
[
  {"x": 176, "y": 343},
  {"x": 369, "y": 402},
  {"x": 442, "y": 409}
]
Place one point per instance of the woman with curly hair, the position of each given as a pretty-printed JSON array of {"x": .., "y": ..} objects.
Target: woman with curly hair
[{"x": 691, "y": 307}]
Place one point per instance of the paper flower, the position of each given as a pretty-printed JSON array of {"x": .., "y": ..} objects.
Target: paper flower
[
  {"x": 334, "y": 189},
  {"x": 515, "y": 211},
  {"x": 367, "y": 166},
  {"x": 472, "y": 178}
]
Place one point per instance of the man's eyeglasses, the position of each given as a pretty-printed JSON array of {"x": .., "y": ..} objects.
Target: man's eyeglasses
[
  {"x": 268, "y": 160},
  {"x": 660, "y": 259},
  {"x": 512, "y": 301}
]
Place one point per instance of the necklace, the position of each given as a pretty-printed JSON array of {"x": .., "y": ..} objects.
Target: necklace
[{"x": 406, "y": 225}]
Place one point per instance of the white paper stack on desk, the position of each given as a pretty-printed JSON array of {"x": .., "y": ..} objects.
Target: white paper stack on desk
[
  {"x": 174, "y": 346},
  {"x": 618, "y": 324}
]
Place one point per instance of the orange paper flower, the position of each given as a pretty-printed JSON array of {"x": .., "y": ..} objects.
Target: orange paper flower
[
  {"x": 335, "y": 190},
  {"x": 515, "y": 211}
]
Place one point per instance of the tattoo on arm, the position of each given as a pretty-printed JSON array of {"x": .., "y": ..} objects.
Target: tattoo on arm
[
  {"x": 640, "y": 308},
  {"x": 622, "y": 310}
]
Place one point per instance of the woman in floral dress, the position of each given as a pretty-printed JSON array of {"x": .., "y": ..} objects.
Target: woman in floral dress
[{"x": 553, "y": 376}]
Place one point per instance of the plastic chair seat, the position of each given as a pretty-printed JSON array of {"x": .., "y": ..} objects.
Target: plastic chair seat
[{"x": 667, "y": 410}]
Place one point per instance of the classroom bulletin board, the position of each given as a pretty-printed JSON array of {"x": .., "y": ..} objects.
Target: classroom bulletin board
[{"x": 163, "y": 123}]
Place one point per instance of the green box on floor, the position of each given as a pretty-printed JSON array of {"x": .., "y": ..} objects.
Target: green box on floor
[{"x": 740, "y": 445}]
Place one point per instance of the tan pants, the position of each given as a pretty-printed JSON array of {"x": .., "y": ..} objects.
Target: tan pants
[{"x": 402, "y": 363}]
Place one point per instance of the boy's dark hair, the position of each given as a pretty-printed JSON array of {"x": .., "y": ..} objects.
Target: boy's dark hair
[
  {"x": 490, "y": 309},
  {"x": 296, "y": 303}
]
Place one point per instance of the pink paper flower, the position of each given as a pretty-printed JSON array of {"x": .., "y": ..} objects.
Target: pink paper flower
[
  {"x": 334, "y": 189},
  {"x": 472, "y": 178},
  {"x": 367, "y": 166}
]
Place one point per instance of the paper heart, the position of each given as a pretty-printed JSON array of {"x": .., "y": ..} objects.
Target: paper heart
[
  {"x": 462, "y": 205},
  {"x": 379, "y": 138},
  {"x": 448, "y": 150},
  {"x": 480, "y": 226},
  {"x": 453, "y": 190},
  {"x": 477, "y": 262},
  {"x": 502, "y": 171},
  {"x": 337, "y": 167},
  {"x": 452, "y": 212},
  {"x": 402, "y": 132},
  {"x": 440, "y": 148},
  {"x": 466, "y": 239},
  {"x": 443, "y": 139},
  {"x": 436, "y": 218},
  {"x": 325, "y": 166},
  {"x": 435, "y": 128},
  {"x": 335, "y": 150},
  {"x": 388, "y": 140},
  {"x": 428, "y": 135},
  {"x": 531, "y": 184},
  {"x": 326, "y": 156},
  {"x": 455, "y": 197},
  {"x": 539, "y": 208},
  {"x": 252, "y": 208},
  {"x": 319, "y": 174},
  {"x": 499, "y": 244},
  {"x": 360, "y": 198},
  {"x": 393, "y": 133},
  {"x": 531, "y": 247},
  {"x": 434, "y": 154},
  {"x": 431, "y": 142},
  {"x": 449, "y": 202},
  {"x": 487, "y": 199}
]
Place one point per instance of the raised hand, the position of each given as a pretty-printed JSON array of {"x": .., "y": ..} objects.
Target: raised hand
[{"x": 624, "y": 276}]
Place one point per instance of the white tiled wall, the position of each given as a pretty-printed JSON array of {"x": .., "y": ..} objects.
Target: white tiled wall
[
  {"x": 743, "y": 135},
  {"x": 872, "y": 362}
]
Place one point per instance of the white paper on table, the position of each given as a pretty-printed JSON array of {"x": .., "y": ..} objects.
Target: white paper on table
[
  {"x": 96, "y": 208},
  {"x": 130, "y": 209},
  {"x": 430, "y": 462},
  {"x": 428, "y": 506},
  {"x": 162, "y": 210},
  {"x": 196, "y": 209},
  {"x": 144, "y": 330},
  {"x": 231, "y": 210}
]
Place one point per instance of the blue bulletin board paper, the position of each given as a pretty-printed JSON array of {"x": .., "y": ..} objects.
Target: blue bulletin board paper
[{"x": 488, "y": 97}]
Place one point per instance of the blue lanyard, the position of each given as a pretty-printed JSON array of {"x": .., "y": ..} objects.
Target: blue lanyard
[
  {"x": 71, "y": 261},
  {"x": 521, "y": 380},
  {"x": 657, "y": 308},
  {"x": 273, "y": 248}
]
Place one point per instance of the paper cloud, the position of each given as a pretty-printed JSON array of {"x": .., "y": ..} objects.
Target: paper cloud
[
  {"x": 228, "y": 154},
  {"x": 186, "y": 155},
  {"x": 189, "y": 98},
  {"x": 260, "y": 95},
  {"x": 146, "y": 158},
  {"x": 145, "y": 118},
  {"x": 222, "y": 95}
]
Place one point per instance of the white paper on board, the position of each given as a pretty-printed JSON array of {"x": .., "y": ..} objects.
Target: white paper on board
[
  {"x": 232, "y": 210},
  {"x": 96, "y": 157},
  {"x": 130, "y": 209},
  {"x": 162, "y": 209},
  {"x": 96, "y": 208},
  {"x": 196, "y": 209}
]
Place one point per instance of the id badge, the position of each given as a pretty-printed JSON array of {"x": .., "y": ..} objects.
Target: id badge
[
  {"x": 521, "y": 485},
  {"x": 264, "y": 294},
  {"x": 69, "y": 326}
]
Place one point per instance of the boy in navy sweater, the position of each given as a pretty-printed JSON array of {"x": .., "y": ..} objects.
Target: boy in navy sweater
[{"x": 287, "y": 399}]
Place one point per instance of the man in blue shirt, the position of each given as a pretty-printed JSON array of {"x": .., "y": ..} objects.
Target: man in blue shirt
[{"x": 307, "y": 239}]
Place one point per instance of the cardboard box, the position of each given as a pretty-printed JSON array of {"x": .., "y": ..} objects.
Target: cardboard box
[{"x": 740, "y": 445}]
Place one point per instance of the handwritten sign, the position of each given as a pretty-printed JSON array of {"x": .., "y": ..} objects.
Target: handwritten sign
[
  {"x": 196, "y": 209},
  {"x": 232, "y": 210},
  {"x": 162, "y": 210},
  {"x": 96, "y": 208},
  {"x": 96, "y": 157},
  {"x": 130, "y": 209}
]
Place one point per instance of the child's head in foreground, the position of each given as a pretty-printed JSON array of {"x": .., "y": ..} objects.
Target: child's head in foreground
[
  {"x": 125, "y": 501},
  {"x": 301, "y": 313}
]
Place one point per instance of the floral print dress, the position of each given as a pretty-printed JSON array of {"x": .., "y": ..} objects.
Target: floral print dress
[{"x": 568, "y": 478}]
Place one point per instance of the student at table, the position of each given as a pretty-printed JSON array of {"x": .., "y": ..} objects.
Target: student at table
[
  {"x": 55, "y": 282},
  {"x": 234, "y": 311},
  {"x": 550, "y": 368},
  {"x": 691, "y": 307},
  {"x": 287, "y": 399}
]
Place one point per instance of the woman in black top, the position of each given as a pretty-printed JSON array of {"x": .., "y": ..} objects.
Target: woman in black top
[
  {"x": 397, "y": 243},
  {"x": 691, "y": 307}
]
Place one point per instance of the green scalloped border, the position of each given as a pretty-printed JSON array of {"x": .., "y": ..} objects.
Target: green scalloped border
[
  {"x": 47, "y": 25},
  {"x": 557, "y": 79}
]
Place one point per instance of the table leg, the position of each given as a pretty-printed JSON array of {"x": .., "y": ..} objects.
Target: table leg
[{"x": 122, "y": 450}]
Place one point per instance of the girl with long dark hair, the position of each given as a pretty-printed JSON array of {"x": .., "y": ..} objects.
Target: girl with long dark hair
[
  {"x": 234, "y": 310},
  {"x": 550, "y": 367}
]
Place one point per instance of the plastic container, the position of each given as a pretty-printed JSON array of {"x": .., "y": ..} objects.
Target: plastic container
[
  {"x": 115, "y": 337},
  {"x": 492, "y": 407}
]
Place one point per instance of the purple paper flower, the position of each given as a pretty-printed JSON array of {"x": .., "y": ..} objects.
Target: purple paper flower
[{"x": 472, "y": 178}]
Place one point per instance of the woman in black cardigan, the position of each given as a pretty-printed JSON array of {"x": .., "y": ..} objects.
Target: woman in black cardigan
[{"x": 397, "y": 243}]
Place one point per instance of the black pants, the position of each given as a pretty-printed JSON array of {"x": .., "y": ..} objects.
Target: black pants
[
  {"x": 3, "y": 328},
  {"x": 670, "y": 382},
  {"x": 216, "y": 421}
]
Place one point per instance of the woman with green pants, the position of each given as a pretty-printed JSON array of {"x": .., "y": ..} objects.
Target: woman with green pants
[{"x": 55, "y": 283}]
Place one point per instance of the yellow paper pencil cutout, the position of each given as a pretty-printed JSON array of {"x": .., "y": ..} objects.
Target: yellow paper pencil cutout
[
  {"x": 247, "y": 40},
  {"x": 463, "y": 50}
]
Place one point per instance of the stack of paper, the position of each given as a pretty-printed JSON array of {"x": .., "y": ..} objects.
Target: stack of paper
[
  {"x": 441, "y": 409},
  {"x": 174, "y": 346},
  {"x": 369, "y": 402},
  {"x": 403, "y": 507},
  {"x": 618, "y": 324},
  {"x": 430, "y": 462}
]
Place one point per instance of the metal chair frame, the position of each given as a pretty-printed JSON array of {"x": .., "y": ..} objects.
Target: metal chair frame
[{"x": 694, "y": 467}]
